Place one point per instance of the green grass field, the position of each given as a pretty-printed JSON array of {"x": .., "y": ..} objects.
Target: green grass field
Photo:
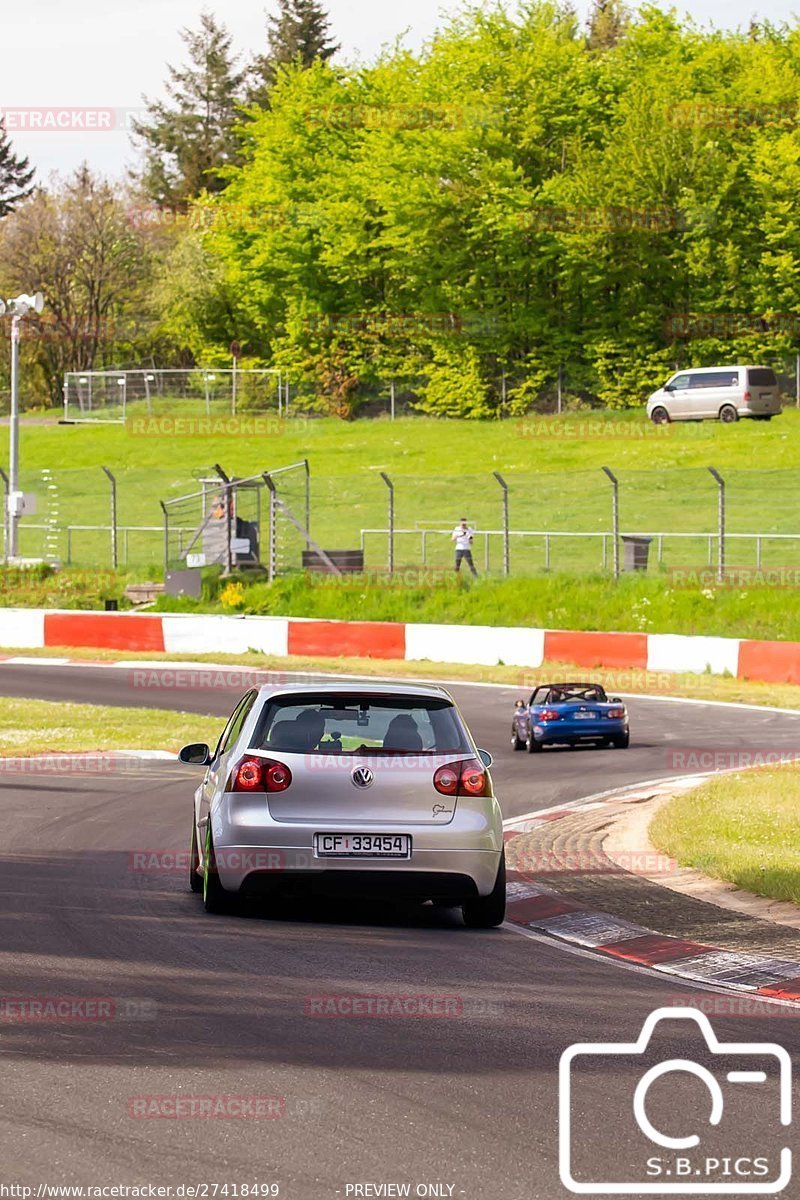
[
  {"x": 44, "y": 727},
  {"x": 440, "y": 469},
  {"x": 742, "y": 828}
]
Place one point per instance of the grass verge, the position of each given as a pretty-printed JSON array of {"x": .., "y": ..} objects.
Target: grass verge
[
  {"x": 742, "y": 828},
  {"x": 636, "y": 602},
  {"x": 641, "y": 603},
  {"x": 43, "y": 727},
  {"x": 633, "y": 680}
]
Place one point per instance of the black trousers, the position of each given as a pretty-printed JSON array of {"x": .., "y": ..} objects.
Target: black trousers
[{"x": 466, "y": 555}]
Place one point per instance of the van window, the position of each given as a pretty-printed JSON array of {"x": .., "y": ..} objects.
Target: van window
[
  {"x": 715, "y": 379},
  {"x": 761, "y": 377},
  {"x": 679, "y": 383}
]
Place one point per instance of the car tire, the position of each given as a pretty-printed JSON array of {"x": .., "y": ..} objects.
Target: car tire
[
  {"x": 486, "y": 912},
  {"x": 728, "y": 414},
  {"x": 195, "y": 880},
  {"x": 531, "y": 744},
  {"x": 660, "y": 416},
  {"x": 621, "y": 741},
  {"x": 215, "y": 898},
  {"x": 516, "y": 741}
]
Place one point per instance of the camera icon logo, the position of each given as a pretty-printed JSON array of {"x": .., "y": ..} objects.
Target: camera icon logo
[{"x": 683, "y": 1161}]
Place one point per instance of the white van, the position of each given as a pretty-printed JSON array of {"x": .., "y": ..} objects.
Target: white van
[{"x": 723, "y": 393}]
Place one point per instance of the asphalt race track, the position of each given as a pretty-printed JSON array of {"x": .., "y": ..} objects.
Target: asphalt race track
[{"x": 193, "y": 1006}]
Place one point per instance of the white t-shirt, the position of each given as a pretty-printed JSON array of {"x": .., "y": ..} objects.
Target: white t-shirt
[{"x": 463, "y": 537}]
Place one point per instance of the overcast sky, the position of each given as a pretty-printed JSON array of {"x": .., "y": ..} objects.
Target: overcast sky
[{"x": 100, "y": 56}]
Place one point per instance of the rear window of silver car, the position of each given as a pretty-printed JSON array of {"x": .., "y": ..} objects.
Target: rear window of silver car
[
  {"x": 761, "y": 377},
  {"x": 356, "y": 722}
]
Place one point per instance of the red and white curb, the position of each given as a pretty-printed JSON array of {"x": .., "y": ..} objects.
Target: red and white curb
[
  {"x": 520, "y": 646},
  {"x": 531, "y": 905}
]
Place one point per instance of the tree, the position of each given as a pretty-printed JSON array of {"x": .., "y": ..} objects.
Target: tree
[
  {"x": 16, "y": 175},
  {"x": 189, "y": 144},
  {"x": 300, "y": 33},
  {"x": 608, "y": 21},
  {"x": 75, "y": 244}
]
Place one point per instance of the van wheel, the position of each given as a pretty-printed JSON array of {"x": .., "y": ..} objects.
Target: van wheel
[
  {"x": 728, "y": 414},
  {"x": 659, "y": 416}
]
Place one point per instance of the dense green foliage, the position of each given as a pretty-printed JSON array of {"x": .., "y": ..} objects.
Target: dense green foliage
[{"x": 514, "y": 198}]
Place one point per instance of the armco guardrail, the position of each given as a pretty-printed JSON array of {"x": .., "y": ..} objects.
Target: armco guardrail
[{"x": 177, "y": 634}]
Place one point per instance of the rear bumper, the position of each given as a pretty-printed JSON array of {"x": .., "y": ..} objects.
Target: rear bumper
[
  {"x": 428, "y": 874},
  {"x": 764, "y": 408},
  {"x": 390, "y": 884},
  {"x": 573, "y": 733}
]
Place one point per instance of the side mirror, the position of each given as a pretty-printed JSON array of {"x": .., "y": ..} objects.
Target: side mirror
[
  {"x": 669, "y": 387},
  {"x": 198, "y": 754},
  {"x": 485, "y": 758}
]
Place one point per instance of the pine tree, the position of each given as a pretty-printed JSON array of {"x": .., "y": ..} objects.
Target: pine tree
[
  {"x": 16, "y": 175},
  {"x": 299, "y": 33},
  {"x": 608, "y": 21},
  {"x": 188, "y": 142}
]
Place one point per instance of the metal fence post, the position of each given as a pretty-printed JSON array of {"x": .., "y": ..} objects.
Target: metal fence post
[
  {"x": 166, "y": 536},
  {"x": 4, "y": 478},
  {"x": 721, "y": 524},
  {"x": 113, "y": 482},
  {"x": 271, "y": 528},
  {"x": 614, "y": 516},
  {"x": 308, "y": 495},
  {"x": 504, "y": 486},
  {"x": 390, "y": 486},
  {"x": 227, "y": 492}
]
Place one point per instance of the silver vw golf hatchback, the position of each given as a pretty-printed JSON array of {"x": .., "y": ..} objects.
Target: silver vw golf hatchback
[{"x": 373, "y": 790}]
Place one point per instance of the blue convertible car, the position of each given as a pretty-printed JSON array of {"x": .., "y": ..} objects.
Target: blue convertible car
[{"x": 569, "y": 714}]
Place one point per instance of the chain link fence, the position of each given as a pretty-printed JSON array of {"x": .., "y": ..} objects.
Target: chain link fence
[{"x": 558, "y": 520}]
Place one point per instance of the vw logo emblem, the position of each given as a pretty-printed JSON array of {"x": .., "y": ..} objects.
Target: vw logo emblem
[{"x": 363, "y": 777}]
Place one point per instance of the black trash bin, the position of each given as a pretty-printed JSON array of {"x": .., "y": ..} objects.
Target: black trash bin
[{"x": 635, "y": 552}]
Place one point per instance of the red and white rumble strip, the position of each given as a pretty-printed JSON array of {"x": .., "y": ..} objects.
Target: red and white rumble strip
[
  {"x": 534, "y": 906},
  {"x": 190, "y": 633}
]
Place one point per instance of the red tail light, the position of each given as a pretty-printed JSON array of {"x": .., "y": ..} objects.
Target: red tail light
[
  {"x": 747, "y": 397},
  {"x": 549, "y": 714},
  {"x": 469, "y": 778},
  {"x": 616, "y": 712},
  {"x": 259, "y": 775}
]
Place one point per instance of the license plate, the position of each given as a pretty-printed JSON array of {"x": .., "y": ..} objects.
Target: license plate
[
  {"x": 362, "y": 845},
  {"x": 585, "y": 716}
]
